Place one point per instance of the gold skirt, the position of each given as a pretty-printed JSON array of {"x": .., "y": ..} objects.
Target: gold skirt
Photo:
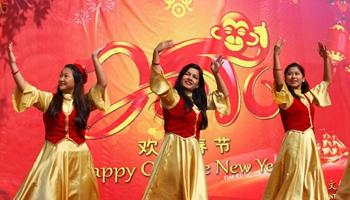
[
  {"x": 178, "y": 171},
  {"x": 63, "y": 171},
  {"x": 297, "y": 173},
  {"x": 343, "y": 192}
]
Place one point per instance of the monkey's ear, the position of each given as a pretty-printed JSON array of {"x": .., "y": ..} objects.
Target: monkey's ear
[{"x": 213, "y": 32}]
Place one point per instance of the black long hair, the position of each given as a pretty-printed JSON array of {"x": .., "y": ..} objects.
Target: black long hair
[
  {"x": 81, "y": 101},
  {"x": 198, "y": 95},
  {"x": 304, "y": 85}
]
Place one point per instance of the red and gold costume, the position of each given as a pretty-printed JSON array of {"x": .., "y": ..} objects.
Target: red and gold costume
[
  {"x": 178, "y": 172},
  {"x": 297, "y": 173},
  {"x": 64, "y": 168},
  {"x": 343, "y": 192}
]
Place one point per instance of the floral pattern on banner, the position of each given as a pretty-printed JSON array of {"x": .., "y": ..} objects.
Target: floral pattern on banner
[
  {"x": 343, "y": 5},
  {"x": 83, "y": 17}
]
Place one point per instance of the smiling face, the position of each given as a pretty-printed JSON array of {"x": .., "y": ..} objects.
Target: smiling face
[
  {"x": 190, "y": 80},
  {"x": 235, "y": 34},
  {"x": 66, "y": 81},
  {"x": 294, "y": 77}
]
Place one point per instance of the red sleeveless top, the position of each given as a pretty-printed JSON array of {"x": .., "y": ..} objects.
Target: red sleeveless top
[
  {"x": 61, "y": 127},
  {"x": 177, "y": 121},
  {"x": 298, "y": 116}
]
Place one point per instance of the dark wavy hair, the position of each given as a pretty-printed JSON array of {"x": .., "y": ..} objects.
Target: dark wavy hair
[
  {"x": 198, "y": 95},
  {"x": 81, "y": 101},
  {"x": 304, "y": 85}
]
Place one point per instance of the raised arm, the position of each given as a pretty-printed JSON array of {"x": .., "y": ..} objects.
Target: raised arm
[
  {"x": 17, "y": 76},
  {"x": 215, "y": 67},
  {"x": 327, "y": 75},
  {"x": 277, "y": 70},
  {"x": 100, "y": 74},
  {"x": 159, "y": 48}
]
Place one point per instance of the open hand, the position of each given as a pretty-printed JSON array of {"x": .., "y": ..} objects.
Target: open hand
[
  {"x": 322, "y": 50},
  {"x": 163, "y": 45},
  {"x": 98, "y": 50},
  {"x": 11, "y": 54},
  {"x": 216, "y": 64},
  {"x": 278, "y": 46}
]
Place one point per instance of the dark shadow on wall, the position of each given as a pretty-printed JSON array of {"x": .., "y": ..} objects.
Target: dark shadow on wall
[
  {"x": 4, "y": 196},
  {"x": 17, "y": 15}
]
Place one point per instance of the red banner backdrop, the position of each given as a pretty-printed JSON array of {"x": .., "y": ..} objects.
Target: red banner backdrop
[{"x": 240, "y": 149}]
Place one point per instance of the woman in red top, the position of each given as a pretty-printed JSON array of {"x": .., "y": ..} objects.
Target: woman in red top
[
  {"x": 297, "y": 173},
  {"x": 178, "y": 172},
  {"x": 64, "y": 168}
]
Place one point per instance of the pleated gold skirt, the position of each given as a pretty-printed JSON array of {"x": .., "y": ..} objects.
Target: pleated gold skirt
[
  {"x": 343, "y": 192},
  {"x": 60, "y": 172},
  {"x": 178, "y": 171},
  {"x": 297, "y": 173}
]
